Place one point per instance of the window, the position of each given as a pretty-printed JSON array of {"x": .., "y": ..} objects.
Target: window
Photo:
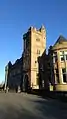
[
  {"x": 38, "y": 51},
  {"x": 54, "y": 57},
  {"x": 65, "y": 52},
  {"x": 35, "y": 62},
  {"x": 43, "y": 83},
  {"x": 64, "y": 75},
  {"x": 62, "y": 57},
  {"x": 57, "y": 75},
  {"x": 61, "y": 52},
  {"x": 37, "y": 77},
  {"x": 37, "y": 39},
  {"x": 66, "y": 57}
]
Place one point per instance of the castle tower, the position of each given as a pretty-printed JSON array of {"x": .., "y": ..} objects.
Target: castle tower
[{"x": 34, "y": 46}]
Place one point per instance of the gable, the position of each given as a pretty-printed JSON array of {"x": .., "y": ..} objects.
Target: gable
[{"x": 60, "y": 40}]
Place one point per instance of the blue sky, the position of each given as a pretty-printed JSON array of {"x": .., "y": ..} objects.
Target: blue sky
[{"x": 16, "y": 16}]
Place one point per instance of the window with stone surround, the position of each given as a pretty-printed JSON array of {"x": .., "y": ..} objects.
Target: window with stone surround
[
  {"x": 57, "y": 75},
  {"x": 38, "y": 51},
  {"x": 64, "y": 75},
  {"x": 54, "y": 57},
  {"x": 63, "y": 55},
  {"x": 37, "y": 39},
  {"x": 37, "y": 78}
]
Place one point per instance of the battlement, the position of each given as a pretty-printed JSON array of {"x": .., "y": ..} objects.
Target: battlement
[{"x": 41, "y": 29}]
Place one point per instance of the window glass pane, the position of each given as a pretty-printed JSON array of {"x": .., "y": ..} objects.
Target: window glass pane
[
  {"x": 64, "y": 70},
  {"x": 37, "y": 77},
  {"x": 61, "y": 52},
  {"x": 66, "y": 57},
  {"x": 54, "y": 57},
  {"x": 55, "y": 54},
  {"x": 64, "y": 75},
  {"x": 57, "y": 75},
  {"x": 62, "y": 58},
  {"x": 65, "y": 52}
]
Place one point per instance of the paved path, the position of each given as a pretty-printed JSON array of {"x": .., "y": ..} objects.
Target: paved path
[{"x": 27, "y": 106}]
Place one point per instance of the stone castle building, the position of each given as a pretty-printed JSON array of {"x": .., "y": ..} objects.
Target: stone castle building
[{"x": 36, "y": 69}]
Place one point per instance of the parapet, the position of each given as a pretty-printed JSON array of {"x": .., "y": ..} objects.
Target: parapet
[{"x": 41, "y": 29}]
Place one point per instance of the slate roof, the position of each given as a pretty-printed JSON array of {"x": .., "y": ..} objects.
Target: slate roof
[{"x": 60, "y": 40}]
